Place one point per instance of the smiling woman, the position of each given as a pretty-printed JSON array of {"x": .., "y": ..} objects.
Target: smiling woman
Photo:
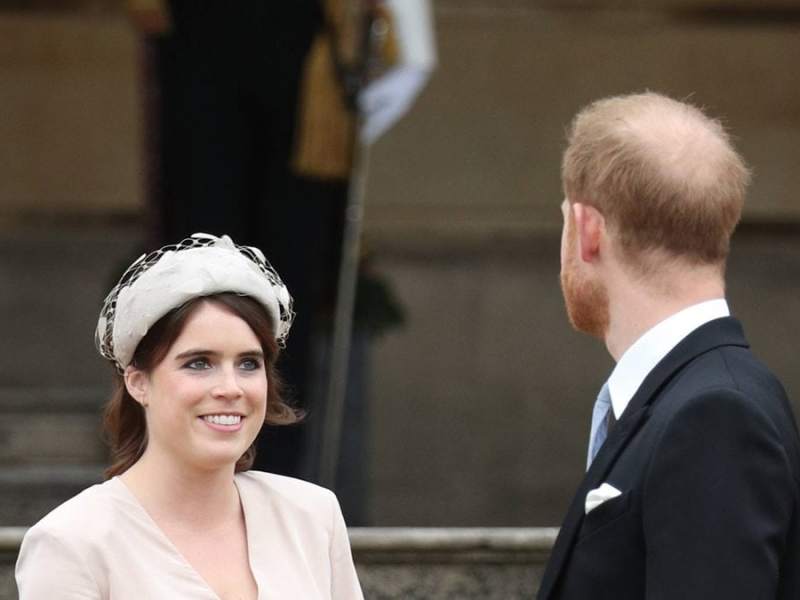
[
  {"x": 194, "y": 331},
  {"x": 125, "y": 418}
]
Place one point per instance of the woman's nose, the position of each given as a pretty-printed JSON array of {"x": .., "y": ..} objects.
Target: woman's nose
[{"x": 227, "y": 385}]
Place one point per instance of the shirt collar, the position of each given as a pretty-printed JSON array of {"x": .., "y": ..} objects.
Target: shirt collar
[{"x": 655, "y": 344}]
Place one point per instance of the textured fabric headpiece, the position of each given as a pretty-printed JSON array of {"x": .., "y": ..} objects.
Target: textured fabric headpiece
[{"x": 168, "y": 278}]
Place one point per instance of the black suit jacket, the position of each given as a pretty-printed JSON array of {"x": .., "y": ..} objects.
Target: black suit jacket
[{"x": 708, "y": 461}]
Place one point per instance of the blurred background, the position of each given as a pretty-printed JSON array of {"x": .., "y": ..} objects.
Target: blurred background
[{"x": 474, "y": 411}]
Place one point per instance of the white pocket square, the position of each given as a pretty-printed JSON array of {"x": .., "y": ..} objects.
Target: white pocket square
[{"x": 599, "y": 495}]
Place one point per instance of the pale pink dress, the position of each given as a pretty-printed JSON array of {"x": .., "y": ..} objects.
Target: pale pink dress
[{"x": 102, "y": 544}]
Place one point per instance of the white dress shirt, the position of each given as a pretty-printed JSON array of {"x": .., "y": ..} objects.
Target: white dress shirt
[{"x": 655, "y": 344}]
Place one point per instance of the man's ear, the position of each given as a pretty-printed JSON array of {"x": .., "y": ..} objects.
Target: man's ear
[
  {"x": 137, "y": 382},
  {"x": 589, "y": 228}
]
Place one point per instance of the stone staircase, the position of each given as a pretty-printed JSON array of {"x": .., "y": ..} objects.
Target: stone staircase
[
  {"x": 52, "y": 383},
  {"x": 50, "y": 448}
]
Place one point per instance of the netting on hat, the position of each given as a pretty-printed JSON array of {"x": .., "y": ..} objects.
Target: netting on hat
[{"x": 104, "y": 335}]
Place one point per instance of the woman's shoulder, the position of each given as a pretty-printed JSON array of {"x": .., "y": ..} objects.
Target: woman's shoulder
[
  {"x": 88, "y": 514},
  {"x": 287, "y": 491},
  {"x": 68, "y": 548}
]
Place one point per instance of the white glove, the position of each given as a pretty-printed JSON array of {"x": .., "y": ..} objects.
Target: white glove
[{"x": 387, "y": 99}]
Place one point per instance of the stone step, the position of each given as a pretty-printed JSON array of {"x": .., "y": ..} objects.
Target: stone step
[
  {"x": 51, "y": 425},
  {"x": 53, "y": 282},
  {"x": 29, "y": 492},
  {"x": 485, "y": 563}
]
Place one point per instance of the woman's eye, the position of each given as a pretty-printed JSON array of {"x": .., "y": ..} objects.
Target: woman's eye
[
  {"x": 198, "y": 364},
  {"x": 250, "y": 364}
]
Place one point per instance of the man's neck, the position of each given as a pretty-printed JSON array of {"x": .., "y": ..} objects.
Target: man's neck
[{"x": 635, "y": 307}]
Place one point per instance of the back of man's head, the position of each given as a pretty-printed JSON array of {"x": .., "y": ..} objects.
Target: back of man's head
[{"x": 664, "y": 175}]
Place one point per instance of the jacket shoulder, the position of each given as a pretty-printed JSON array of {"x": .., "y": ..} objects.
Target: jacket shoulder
[
  {"x": 86, "y": 516},
  {"x": 287, "y": 493}
]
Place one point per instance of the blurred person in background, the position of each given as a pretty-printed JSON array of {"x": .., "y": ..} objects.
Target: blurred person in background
[
  {"x": 254, "y": 110},
  {"x": 693, "y": 468}
]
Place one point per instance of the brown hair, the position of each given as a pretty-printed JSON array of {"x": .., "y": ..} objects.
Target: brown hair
[
  {"x": 664, "y": 175},
  {"x": 124, "y": 419}
]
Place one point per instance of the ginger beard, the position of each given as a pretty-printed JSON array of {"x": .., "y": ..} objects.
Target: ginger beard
[{"x": 586, "y": 300}]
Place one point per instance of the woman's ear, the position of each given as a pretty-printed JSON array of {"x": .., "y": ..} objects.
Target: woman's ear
[{"x": 137, "y": 383}]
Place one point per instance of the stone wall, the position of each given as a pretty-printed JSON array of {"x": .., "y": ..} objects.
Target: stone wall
[
  {"x": 479, "y": 153},
  {"x": 480, "y": 405},
  {"x": 70, "y": 119}
]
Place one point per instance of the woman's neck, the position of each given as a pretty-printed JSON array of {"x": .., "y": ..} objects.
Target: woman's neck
[{"x": 185, "y": 497}]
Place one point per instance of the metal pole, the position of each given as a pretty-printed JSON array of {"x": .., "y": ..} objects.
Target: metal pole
[{"x": 343, "y": 317}]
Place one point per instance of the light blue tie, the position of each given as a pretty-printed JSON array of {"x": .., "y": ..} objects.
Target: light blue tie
[{"x": 599, "y": 423}]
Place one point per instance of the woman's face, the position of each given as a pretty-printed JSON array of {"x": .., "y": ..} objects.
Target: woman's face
[{"x": 206, "y": 400}]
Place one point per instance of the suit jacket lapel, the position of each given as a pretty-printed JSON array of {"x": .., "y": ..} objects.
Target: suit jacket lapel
[
  {"x": 720, "y": 332},
  {"x": 621, "y": 433}
]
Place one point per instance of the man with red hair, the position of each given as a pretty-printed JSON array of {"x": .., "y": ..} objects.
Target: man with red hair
[{"x": 691, "y": 490}]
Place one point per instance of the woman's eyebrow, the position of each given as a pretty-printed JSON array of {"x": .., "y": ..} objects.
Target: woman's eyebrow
[
  {"x": 257, "y": 352},
  {"x": 196, "y": 352}
]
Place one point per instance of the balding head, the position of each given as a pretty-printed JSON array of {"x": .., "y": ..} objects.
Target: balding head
[{"x": 663, "y": 174}]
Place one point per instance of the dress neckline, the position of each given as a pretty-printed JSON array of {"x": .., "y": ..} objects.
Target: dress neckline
[{"x": 131, "y": 497}]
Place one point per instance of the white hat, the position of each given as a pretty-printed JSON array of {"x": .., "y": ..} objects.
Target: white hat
[{"x": 163, "y": 280}]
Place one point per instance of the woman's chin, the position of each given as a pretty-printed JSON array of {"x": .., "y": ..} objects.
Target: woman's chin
[{"x": 213, "y": 457}]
